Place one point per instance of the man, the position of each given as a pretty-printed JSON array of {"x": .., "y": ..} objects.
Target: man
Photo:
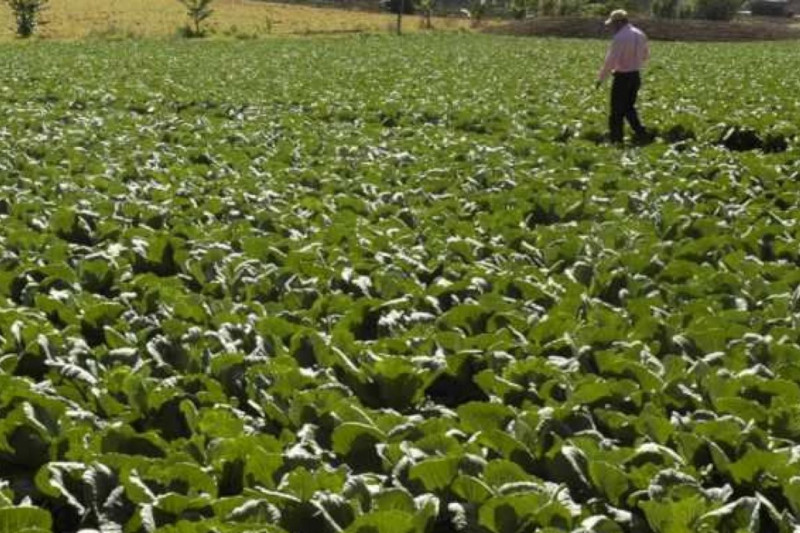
[{"x": 628, "y": 53}]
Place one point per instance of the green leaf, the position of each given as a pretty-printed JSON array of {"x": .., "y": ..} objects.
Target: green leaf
[
  {"x": 383, "y": 522},
  {"x": 600, "y": 524},
  {"x": 435, "y": 474},
  {"x": 51, "y": 481},
  {"x": 509, "y": 514},
  {"x": 96, "y": 273},
  {"x": 609, "y": 480},
  {"x": 745, "y": 409},
  {"x": 674, "y": 516},
  {"x": 791, "y": 490},
  {"x": 471, "y": 489},
  {"x": 427, "y": 512},
  {"x": 754, "y": 462},
  {"x": 301, "y": 483},
  {"x": 480, "y": 416},
  {"x": 401, "y": 384},
  {"x": 394, "y": 500},
  {"x": 501, "y": 471},
  {"x": 356, "y": 443},
  {"x": 220, "y": 423},
  {"x": 25, "y": 519},
  {"x": 741, "y": 515},
  {"x": 346, "y": 436}
]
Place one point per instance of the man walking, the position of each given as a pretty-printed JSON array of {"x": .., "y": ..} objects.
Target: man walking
[{"x": 628, "y": 53}]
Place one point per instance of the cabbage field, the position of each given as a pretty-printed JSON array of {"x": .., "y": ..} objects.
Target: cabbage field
[{"x": 396, "y": 285}]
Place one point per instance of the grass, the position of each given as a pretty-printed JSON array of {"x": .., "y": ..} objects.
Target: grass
[{"x": 79, "y": 19}]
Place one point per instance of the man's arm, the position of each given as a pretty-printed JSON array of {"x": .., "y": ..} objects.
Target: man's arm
[
  {"x": 611, "y": 60},
  {"x": 646, "y": 52}
]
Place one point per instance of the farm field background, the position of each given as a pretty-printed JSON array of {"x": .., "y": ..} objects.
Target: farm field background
[
  {"x": 108, "y": 19},
  {"x": 372, "y": 284}
]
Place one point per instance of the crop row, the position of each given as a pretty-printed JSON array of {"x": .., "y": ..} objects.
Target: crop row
[{"x": 356, "y": 285}]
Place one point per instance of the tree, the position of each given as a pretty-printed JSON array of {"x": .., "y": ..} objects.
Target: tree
[
  {"x": 26, "y": 13},
  {"x": 198, "y": 11},
  {"x": 400, "y": 17},
  {"x": 427, "y": 7},
  {"x": 399, "y": 7}
]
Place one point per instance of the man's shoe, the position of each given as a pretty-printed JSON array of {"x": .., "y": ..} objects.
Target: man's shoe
[{"x": 644, "y": 138}]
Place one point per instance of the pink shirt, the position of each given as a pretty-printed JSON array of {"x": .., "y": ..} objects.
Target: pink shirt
[{"x": 628, "y": 52}]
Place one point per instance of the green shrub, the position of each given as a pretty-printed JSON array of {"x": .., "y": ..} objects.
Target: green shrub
[
  {"x": 770, "y": 8},
  {"x": 686, "y": 10},
  {"x": 716, "y": 9},
  {"x": 595, "y": 10},
  {"x": 519, "y": 8},
  {"x": 560, "y": 8},
  {"x": 569, "y": 8},
  {"x": 665, "y": 9},
  {"x": 26, "y": 14},
  {"x": 547, "y": 8}
]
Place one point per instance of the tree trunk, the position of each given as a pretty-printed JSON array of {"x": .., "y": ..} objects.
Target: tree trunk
[{"x": 400, "y": 17}]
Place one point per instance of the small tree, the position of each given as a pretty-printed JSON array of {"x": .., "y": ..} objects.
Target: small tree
[
  {"x": 400, "y": 8},
  {"x": 400, "y": 17},
  {"x": 427, "y": 6},
  {"x": 198, "y": 11},
  {"x": 26, "y": 14}
]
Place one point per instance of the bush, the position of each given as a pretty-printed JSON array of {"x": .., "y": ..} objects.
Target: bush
[
  {"x": 559, "y": 8},
  {"x": 716, "y": 9},
  {"x": 569, "y": 8},
  {"x": 519, "y": 8},
  {"x": 595, "y": 10},
  {"x": 546, "y": 8},
  {"x": 685, "y": 10},
  {"x": 770, "y": 8},
  {"x": 665, "y": 9},
  {"x": 26, "y": 14}
]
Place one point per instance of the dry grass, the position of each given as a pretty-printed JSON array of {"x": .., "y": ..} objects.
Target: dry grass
[{"x": 78, "y": 19}]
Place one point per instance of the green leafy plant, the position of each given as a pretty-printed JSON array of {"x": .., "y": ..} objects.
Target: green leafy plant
[{"x": 326, "y": 299}]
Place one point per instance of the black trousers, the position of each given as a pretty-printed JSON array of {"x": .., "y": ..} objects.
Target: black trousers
[{"x": 624, "y": 91}]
